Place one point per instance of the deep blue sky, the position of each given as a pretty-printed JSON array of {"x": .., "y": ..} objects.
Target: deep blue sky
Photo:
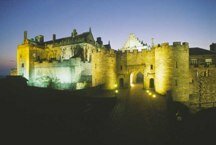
[{"x": 193, "y": 21}]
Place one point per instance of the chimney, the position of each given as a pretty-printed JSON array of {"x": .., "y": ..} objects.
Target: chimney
[
  {"x": 54, "y": 37},
  {"x": 74, "y": 33},
  {"x": 99, "y": 41},
  {"x": 25, "y": 35}
]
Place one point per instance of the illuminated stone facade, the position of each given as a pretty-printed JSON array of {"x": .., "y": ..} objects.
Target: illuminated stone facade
[
  {"x": 78, "y": 61},
  {"x": 73, "y": 62}
]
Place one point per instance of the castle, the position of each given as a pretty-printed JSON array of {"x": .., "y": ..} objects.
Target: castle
[{"x": 78, "y": 61}]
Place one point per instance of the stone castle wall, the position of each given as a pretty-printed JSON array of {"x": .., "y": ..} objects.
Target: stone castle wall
[
  {"x": 202, "y": 84},
  {"x": 68, "y": 74},
  {"x": 104, "y": 68}
]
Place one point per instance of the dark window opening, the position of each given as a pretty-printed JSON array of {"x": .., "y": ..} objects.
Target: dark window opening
[
  {"x": 151, "y": 67},
  {"x": 121, "y": 67},
  {"x": 22, "y": 64}
]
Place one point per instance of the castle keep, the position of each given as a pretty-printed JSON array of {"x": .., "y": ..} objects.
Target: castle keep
[{"x": 80, "y": 61}]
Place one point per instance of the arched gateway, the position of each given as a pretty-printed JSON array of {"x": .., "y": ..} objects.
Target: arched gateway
[{"x": 136, "y": 78}]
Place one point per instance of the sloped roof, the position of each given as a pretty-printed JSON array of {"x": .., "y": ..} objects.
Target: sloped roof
[
  {"x": 200, "y": 51},
  {"x": 107, "y": 46},
  {"x": 84, "y": 37}
]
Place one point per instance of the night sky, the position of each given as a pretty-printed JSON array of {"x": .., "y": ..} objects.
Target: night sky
[{"x": 193, "y": 21}]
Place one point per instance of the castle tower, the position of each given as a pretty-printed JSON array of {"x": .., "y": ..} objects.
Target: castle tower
[
  {"x": 23, "y": 58},
  {"x": 163, "y": 68},
  {"x": 172, "y": 70},
  {"x": 180, "y": 81}
]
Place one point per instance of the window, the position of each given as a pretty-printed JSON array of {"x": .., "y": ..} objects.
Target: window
[
  {"x": 121, "y": 67},
  {"x": 208, "y": 61},
  {"x": 151, "y": 67},
  {"x": 193, "y": 61},
  {"x": 176, "y": 83},
  {"x": 176, "y": 64},
  {"x": 22, "y": 65}
]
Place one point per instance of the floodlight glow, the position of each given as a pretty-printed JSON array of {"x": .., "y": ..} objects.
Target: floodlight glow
[
  {"x": 154, "y": 96},
  {"x": 116, "y": 91},
  {"x": 132, "y": 85}
]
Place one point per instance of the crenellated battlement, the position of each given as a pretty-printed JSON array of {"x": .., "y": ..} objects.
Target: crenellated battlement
[
  {"x": 134, "y": 51},
  {"x": 175, "y": 44},
  {"x": 109, "y": 52},
  {"x": 180, "y": 44}
]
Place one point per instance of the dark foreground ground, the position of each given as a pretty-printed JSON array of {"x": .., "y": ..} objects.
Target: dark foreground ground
[{"x": 34, "y": 115}]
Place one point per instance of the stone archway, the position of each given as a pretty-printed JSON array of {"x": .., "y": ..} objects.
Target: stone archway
[
  {"x": 151, "y": 83},
  {"x": 136, "y": 78}
]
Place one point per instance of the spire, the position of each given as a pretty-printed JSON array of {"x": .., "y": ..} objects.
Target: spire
[
  {"x": 152, "y": 42},
  {"x": 90, "y": 29},
  {"x": 25, "y": 35}
]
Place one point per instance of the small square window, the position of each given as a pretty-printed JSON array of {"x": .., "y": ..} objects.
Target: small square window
[{"x": 22, "y": 65}]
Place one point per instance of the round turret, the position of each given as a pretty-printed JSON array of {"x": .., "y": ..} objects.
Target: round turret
[{"x": 172, "y": 70}]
